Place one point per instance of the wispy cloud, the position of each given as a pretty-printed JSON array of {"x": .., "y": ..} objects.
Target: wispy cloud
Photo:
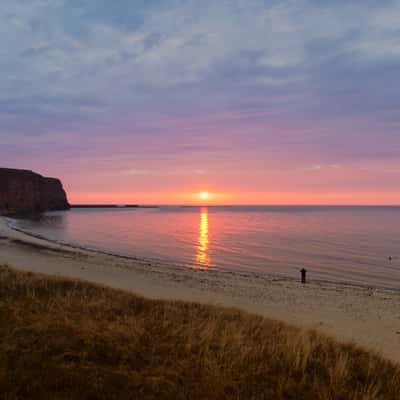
[{"x": 163, "y": 172}]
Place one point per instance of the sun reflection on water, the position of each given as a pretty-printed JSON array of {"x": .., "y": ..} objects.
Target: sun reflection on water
[{"x": 202, "y": 247}]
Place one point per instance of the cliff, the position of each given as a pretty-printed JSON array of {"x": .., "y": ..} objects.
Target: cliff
[{"x": 25, "y": 191}]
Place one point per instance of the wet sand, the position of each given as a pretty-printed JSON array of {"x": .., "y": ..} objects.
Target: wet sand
[{"x": 367, "y": 316}]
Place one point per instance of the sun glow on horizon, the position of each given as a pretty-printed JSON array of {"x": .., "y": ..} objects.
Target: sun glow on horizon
[
  {"x": 194, "y": 197},
  {"x": 204, "y": 195}
]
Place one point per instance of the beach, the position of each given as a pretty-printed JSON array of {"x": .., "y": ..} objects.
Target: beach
[{"x": 367, "y": 316}]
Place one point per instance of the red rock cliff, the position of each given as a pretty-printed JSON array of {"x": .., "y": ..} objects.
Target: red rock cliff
[{"x": 26, "y": 191}]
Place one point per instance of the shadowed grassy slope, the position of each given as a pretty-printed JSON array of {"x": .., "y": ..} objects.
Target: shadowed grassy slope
[{"x": 64, "y": 339}]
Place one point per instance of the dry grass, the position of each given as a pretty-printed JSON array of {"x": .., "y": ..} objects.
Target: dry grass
[{"x": 66, "y": 339}]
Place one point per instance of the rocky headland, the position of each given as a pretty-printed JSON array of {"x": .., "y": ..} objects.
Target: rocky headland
[{"x": 23, "y": 191}]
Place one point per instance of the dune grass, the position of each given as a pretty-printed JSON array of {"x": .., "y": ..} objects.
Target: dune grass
[{"x": 67, "y": 339}]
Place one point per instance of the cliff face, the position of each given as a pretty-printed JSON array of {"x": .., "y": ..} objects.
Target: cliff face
[{"x": 26, "y": 191}]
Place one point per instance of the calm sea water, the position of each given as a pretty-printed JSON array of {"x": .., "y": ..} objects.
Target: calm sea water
[{"x": 339, "y": 244}]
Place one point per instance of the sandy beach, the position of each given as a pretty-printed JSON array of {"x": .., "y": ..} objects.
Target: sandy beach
[{"x": 367, "y": 316}]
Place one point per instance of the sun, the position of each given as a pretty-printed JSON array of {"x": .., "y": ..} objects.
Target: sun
[{"x": 204, "y": 195}]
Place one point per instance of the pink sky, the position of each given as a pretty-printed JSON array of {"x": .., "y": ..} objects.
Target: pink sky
[{"x": 262, "y": 103}]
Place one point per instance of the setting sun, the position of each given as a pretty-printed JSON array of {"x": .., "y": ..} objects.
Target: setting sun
[{"x": 204, "y": 195}]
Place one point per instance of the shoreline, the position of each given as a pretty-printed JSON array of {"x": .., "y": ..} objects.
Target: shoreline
[
  {"x": 367, "y": 316},
  {"x": 173, "y": 264}
]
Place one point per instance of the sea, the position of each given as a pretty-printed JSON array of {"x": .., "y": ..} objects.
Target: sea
[{"x": 344, "y": 245}]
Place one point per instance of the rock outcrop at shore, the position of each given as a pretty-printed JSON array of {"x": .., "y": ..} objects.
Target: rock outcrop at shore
[{"x": 23, "y": 191}]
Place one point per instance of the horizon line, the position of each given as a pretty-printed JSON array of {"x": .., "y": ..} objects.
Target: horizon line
[{"x": 128, "y": 205}]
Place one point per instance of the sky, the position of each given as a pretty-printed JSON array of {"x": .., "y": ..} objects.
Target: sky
[{"x": 253, "y": 101}]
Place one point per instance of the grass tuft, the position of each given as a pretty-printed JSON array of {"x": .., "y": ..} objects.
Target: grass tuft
[{"x": 64, "y": 339}]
